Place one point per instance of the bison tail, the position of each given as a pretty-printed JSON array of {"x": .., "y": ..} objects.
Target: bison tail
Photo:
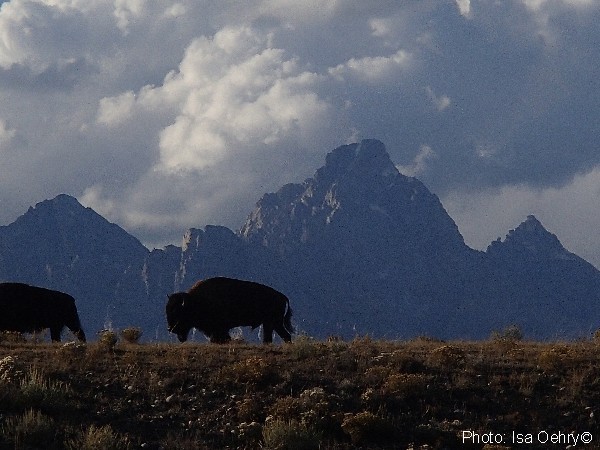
[{"x": 287, "y": 319}]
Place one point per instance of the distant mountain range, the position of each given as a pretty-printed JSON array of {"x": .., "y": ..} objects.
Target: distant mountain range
[{"x": 359, "y": 249}]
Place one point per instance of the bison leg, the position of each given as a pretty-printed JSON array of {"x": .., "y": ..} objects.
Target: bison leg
[
  {"x": 283, "y": 333},
  {"x": 267, "y": 333},
  {"x": 55, "y": 334}
]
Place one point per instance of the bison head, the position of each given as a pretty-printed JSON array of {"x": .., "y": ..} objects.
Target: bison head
[
  {"x": 79, "y": 334},
  {"x": 72, "y": 321},
  {"x": 177, "y": 318}
]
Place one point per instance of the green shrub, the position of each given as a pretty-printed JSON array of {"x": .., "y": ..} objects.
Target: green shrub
[
  {"x": 511, "y": 333},
  {"x": 12, "y": 337},
  {"x": 38, "y": 392},
  {"x": 8, "y": 369},
  {"x": 446, "y": 356},
  {"x": 74, "y": 350},
  {"x": 405, "y": 384},
  {"x": 313, "y": 408},
  {"x": 555, "y": 358},
  {"x": 31, "y": 429},
  {"x": 304, "y": 347},
  {"x": 108, "y": 339},
  {"x": 98, "y": 438},
  {"x": 250, "y": 432},
  {"x": 131, "y": 335},
  {"x": 286, "y": 408},
  {"x": 290, "y": 435},
  {"x": 376, "y": 375},
  {"x": 253, "y": 371},
  {"x": 366, "y": 427},
  {"x": 8, "y": 395}
]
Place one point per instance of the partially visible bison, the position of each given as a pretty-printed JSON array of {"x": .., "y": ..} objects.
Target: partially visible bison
[
  {"x": 216, "y": 305},
  {"x": 31, "y": 309}
]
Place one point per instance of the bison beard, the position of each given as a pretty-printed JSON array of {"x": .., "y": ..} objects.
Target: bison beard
[
  {"x": 30, "y": 309},
  {"x": 216, "y": 305}
]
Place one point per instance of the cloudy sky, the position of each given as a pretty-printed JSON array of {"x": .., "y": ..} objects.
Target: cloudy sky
[{"x": 164, "y": 115}]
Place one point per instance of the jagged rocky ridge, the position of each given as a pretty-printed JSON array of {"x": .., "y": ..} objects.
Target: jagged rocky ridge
[{"x": 359, "y": 248}]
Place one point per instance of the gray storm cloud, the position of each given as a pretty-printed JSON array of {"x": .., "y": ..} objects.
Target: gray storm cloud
[{"x": 170, "y": 114}]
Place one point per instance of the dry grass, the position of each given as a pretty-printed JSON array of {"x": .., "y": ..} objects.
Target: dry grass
[{"x": 309, "y": 394}]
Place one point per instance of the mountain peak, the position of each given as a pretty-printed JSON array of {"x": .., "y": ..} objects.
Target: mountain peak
[
  {"x": 531, "y": 240},
  {"x": 56, "y": 222},
  {"x": 532, "y": 225},
  {"x": 356, "y": 195},
  {"x": 60, "y": 202},
  {"x": 65, "y": 199},
  {"x": 367, "y": 149},
  {"x": 531, "y": 233},
  {"x": 366, "y": 159},
  {"x": 59, "y": 210}
]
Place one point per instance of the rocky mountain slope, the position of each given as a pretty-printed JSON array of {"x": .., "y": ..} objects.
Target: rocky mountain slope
[{"x": 359, "y": 248}]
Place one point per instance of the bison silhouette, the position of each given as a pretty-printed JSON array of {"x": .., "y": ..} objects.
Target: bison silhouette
[
  {"x": 31, "y": 309},
  {"x": 216, "y": 305}
]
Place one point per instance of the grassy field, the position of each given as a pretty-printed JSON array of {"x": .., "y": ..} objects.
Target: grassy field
[{"x": 501, "y": 393}]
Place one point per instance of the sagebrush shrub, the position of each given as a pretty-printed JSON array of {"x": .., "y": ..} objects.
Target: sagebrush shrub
[
  {"x": 405, "y": 384},
  {"x": 254, "y": 370},
  {"x": 290, "y": 435},
  {"x": 38, "y": 392},
  {"x": 366, "y": 427},
  {"x": 108, "y": 339},
  {"x": 509, "y": 333},
  {"x": 446, "y": 356},
  {"x": 8, "y": 369},
  {"x": 98, "y": 438},
  {"x": 555, "y": 358},
  {"x": 131, "y": 335},
  {"x": 285, "y": 408},
  {"x": 376, "y": 375},
  {"x": 304, "y": 347},
  {"x": 73, "y": 350},
  {"x": 32, "y": 429},
  {"x": 12, "y": 337}
]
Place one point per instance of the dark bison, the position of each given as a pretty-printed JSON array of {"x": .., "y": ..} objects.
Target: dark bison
[
  {"x": 216, "y": 305},
  {"x": 30, "y": 309}
]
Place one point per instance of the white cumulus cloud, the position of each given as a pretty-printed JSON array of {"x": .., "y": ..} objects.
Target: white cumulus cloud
[
  {"x": 114, "y": 110},
  {"x": 441, "y": 102},
  {"x": 464, "y": 6},
  {"x": 373, "y": 68},
  {"x": 231, "y": 92},
  {"x": 419, "y": 163},
  {"x": 233, "y": 103}
]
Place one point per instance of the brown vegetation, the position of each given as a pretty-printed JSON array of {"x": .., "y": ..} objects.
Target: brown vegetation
[{"x": 305, "y": 395}]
